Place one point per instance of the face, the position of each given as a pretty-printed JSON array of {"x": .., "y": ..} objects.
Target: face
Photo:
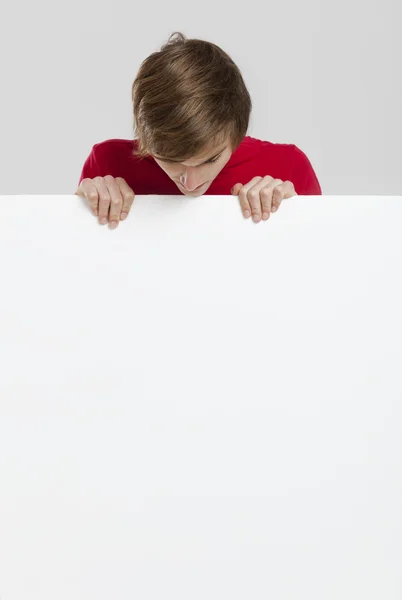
[{"x": 194, "y": 176}]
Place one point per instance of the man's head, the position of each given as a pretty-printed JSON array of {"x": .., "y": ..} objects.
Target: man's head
[{"x": 190, "y": 103}]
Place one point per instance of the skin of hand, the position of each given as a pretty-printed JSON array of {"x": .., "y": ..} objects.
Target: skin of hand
[
  {"x": 110, "y": 198},
  {"x": 262, "y": 195}
]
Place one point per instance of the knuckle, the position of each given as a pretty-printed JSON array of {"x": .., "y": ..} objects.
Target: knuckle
[
  {"x": 108, "y": 178},
  {"x": 127, "y": 202},
  {"x": 251, "y": 195}
]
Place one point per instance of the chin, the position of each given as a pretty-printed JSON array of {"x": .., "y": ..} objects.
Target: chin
[{"x": 199, "y": 192}]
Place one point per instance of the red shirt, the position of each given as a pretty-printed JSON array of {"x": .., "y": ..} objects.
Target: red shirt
[{"x": 251, "y": 159}]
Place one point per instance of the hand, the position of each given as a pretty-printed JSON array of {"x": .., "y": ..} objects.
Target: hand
[
  {"x": 262, "y": 194},
  {"x": 109, "y": 198}
]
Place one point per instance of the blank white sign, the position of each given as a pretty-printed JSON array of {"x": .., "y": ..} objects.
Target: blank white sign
[{"x": 195, "y": 406}]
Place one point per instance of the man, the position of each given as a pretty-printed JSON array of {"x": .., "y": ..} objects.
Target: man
[{"x": 192, "y": 109}]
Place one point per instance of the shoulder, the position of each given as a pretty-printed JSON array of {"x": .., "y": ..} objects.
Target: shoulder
[
  {"x": 285, "y": 149},
  {"x": 252, "y": 143},
  {"x": 112, "y": 147},
  {"x": 290, "y": 162}
]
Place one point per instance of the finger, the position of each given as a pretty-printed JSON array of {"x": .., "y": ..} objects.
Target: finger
[
  {"x": 284, "y": 190},
  {"x": 116, "y": 201},
  {"x": 128, "y": 196},
  {"x": 267, "y": 195},
  {"x": 277, "y": 197},
  {"x": 254, "y": 197},
  {"x": 248, "y": 200},
  {"x": 244, "y": 204},
  {"x": 104, "y": 200},
  {"x": 87, "y": 190},
  {"x": 236, "y": 188}
]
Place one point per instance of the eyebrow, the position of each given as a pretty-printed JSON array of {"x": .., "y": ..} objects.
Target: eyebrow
[{"x": 205, "y": 161}]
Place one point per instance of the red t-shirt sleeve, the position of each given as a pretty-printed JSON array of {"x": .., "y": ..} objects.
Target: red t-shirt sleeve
[{"x": 304, "y": 178}]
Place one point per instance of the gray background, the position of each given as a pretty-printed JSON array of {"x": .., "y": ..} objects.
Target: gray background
[{"x": 324, "y": 76}]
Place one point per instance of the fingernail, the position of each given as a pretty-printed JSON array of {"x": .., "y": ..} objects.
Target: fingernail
[
  {"x": 123, "y": 216},
  {"x": 265, "y": 215},
  {"x": 273, "y": 209},
  {"x": 113, "y": 224},
  {"x": 256, "y": 218},
  {"x": 103, "y": 221},
  {"x": 246, "y": 213}
]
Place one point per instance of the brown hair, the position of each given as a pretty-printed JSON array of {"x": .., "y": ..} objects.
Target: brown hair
[{"x": 186, "y": 97}]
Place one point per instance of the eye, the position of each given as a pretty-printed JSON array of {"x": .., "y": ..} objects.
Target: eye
[{"x": 208, "y": 163}]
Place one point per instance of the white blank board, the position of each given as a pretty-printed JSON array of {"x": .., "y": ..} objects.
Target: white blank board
[{"x": 195, "y": 406}]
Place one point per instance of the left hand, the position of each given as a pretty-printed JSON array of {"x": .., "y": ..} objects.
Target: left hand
[{"x": 262, "y": 195}]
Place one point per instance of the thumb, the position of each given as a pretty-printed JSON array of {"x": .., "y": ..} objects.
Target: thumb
[{"x": 235, "y": 189}]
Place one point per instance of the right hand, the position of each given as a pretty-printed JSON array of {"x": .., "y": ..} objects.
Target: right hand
[{"x": 109, "y": 198}]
